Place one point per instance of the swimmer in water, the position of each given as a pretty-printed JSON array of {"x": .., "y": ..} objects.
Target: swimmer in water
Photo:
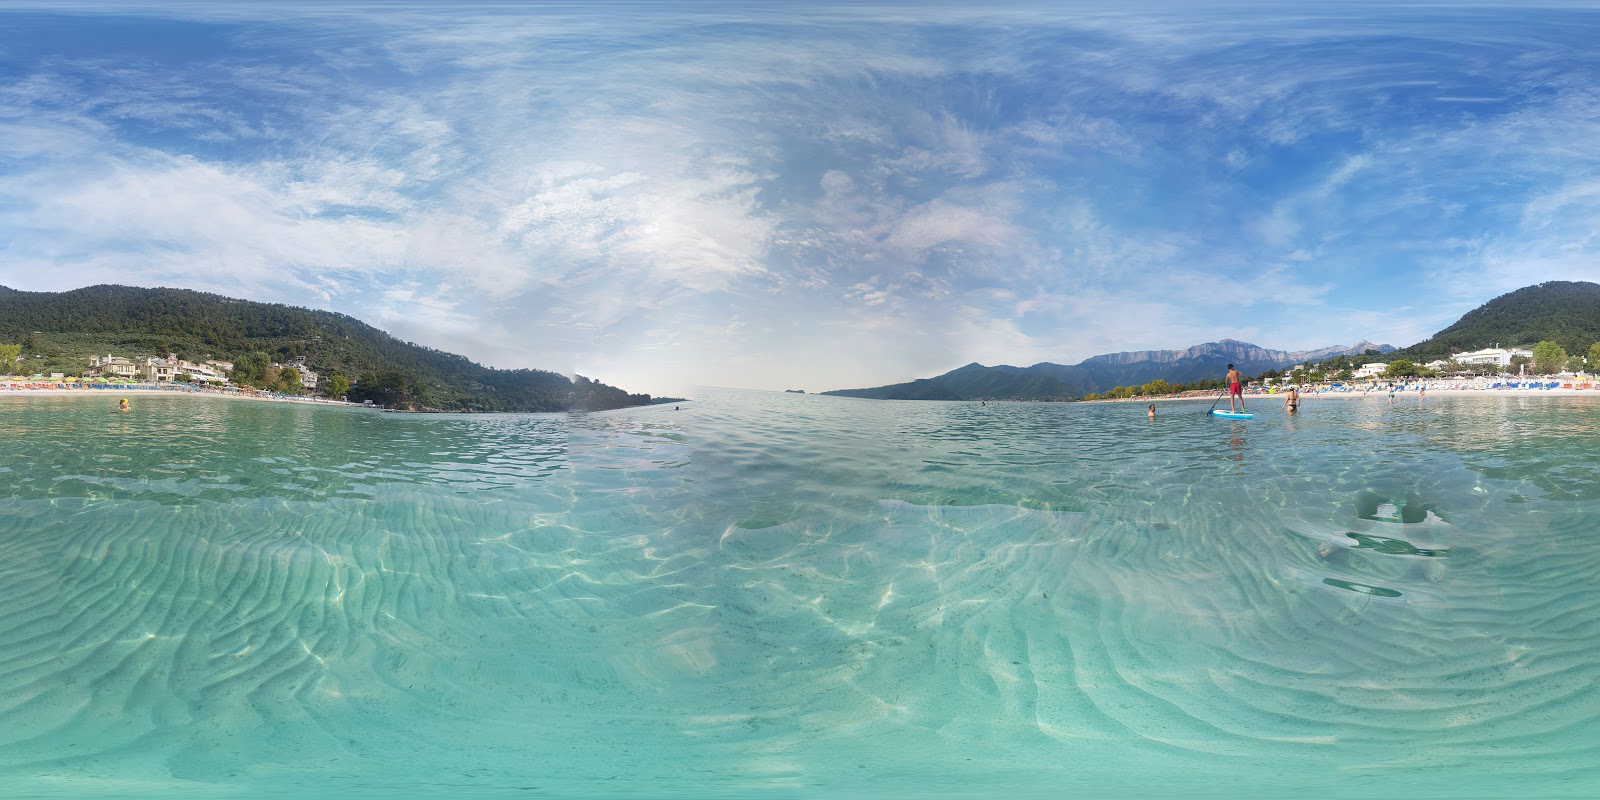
[
  {"x": 1152, "y": 410},
  {"x": 1291, "y": 401},
  {"x": 123, "y": 406}
]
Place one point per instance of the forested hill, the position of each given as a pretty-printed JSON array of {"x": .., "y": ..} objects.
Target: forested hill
[
  {"x": 1564, "y": 312},
  {"x": 60, "y": 331}
]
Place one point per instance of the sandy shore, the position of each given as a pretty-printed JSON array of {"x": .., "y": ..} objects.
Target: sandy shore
[
  {"x": 112, "y": 395},
  {"x": 1381, "y": 394}
]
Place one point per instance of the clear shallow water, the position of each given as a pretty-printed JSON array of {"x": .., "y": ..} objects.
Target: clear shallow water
[{"x": 783, "y": 595}]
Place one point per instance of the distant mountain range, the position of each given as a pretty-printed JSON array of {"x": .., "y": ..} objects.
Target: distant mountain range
[
  {"x": 1047, "y": 381},
  {"x": 1565, "y": 312}
]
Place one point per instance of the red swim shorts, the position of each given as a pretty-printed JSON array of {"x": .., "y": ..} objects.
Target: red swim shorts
[{"x": 1235, "y": 388}]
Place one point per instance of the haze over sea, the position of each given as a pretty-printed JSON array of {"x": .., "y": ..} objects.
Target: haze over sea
[{"x": 784, "y": 595}]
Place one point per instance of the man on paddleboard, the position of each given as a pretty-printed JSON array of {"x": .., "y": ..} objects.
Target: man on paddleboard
[{"x": 1235, "y": 382}]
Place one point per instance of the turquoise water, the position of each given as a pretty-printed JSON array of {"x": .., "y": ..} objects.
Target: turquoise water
[{"x": 784, "y": 595}]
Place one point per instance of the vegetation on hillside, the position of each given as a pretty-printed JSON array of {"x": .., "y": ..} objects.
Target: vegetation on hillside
[
  {"x": 1566, "y": 313},
  {"x": 61, "y": 331}
]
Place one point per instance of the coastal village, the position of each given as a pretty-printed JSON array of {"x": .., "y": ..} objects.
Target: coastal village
[
  {"x": 166, "y": 373},
  {"x": 1544, "y": 368}
]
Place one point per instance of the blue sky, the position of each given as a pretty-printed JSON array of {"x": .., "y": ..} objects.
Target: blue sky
[{"x": 670, "y": 195}]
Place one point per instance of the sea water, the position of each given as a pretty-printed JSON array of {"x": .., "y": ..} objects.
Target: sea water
[{"x": 781, "y": 595}]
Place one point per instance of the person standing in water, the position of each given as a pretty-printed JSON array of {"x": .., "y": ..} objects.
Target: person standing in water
[
  {"x": 123, "y": 406},
  {"x": 1152, "y": 410},
  {"x": 1291, "y": 400},
  {"x": 1235, "y": 382}
]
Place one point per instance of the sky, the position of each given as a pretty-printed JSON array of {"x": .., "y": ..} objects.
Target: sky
[{"x": 671, "y": 195}]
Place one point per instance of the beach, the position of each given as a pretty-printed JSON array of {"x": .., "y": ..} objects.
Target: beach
[
  {"x": 114, "y": 393},
  {"x": 1410, "y": 392}
]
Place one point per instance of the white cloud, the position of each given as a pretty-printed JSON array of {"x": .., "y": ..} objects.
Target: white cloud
[{"x": 810, "y": 194}]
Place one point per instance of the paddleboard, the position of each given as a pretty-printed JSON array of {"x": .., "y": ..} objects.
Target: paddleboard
[{"x": 1234, "y": 414}]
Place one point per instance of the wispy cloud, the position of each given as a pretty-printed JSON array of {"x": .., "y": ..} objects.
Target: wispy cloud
[{"x": 824, "y": 195}]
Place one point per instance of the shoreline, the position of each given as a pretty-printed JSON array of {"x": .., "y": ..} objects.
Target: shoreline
[
  {"x": 1375, "y": 394},
  {"x": 151, "y": 391}
]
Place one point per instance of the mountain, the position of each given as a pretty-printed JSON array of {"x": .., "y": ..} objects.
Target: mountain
[
  {"x": 1565, "y": 312},
  {"x": 60, "y": 331},
  {"x": 1308, "y": 356},
  {"x": 975, "y": 381},
  {"x": 1047, "y": 381}
]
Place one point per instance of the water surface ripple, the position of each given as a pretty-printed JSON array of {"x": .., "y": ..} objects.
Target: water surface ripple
[{"x": 790, "y": 595}]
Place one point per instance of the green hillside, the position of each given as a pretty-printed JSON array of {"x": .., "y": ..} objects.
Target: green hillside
[
  {"x": 60, "y": 331},
  {"x": 970, "y": 383},
  {"x": 1564, "y": 312}
]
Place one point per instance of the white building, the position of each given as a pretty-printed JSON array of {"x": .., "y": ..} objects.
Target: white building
[
  {"x": 155, "y": 369},
  {"x": 1372, "y": 370},
  {"x": 203, "y": 373},
  {"x": 158, "y": 369},
  {"x": 1492, "y": 355},
  {"x": 169, "y": 368},
  {"x": 111, "y": 366},
  {"x": 308, "y": 379}
]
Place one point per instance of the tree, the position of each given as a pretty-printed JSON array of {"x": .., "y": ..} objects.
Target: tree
[
  {"x": 1345, "y": 374},
  {"x": 8, "y": 358},
  {"x": 384, "y": 388},
  {"x": 251, "y": 370},
  {"x": 1517, "y": 363},
  {"x": 1401, "y": 368},
  {"x": 289, "y": 380},
  {"x": 1157, "y": 386},
  {"x": 1594, "y": 356},
  {"x": 183, "y": 377},
  {"x": 1548, "y": 358},
  {"x": 338, "y": 386},
  {"x": 1575, "y": 364}
]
